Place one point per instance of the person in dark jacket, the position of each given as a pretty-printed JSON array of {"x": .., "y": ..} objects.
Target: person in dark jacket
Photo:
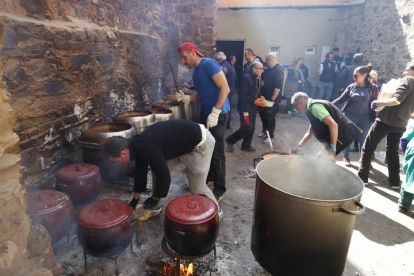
[
  {"x": 327, "y": 73},
  {"x": 357, "y": 99},
  {"x": 163, "y": 146},
  {"x": 345, "y": 77},
  {"x": 327, "y": 123},
  {"x": 249, "y": 90},
  {"x": 272, "y": 91}
]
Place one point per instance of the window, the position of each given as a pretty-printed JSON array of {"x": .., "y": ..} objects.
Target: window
[{"x": 274, "y": 49}]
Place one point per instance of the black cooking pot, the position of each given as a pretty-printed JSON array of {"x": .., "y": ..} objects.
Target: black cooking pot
[
  {"x": 105, "y": 227},
  {"x": 191, "y": 224},
  {"x": 81, "y": 181},
  {"x": 54, "y": 210}
]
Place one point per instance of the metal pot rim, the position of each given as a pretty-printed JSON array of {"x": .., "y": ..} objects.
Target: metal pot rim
[{"x": 303, "y": 199}]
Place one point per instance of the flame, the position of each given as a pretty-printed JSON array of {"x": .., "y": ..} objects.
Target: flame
[{"x": 168, "y": 269}]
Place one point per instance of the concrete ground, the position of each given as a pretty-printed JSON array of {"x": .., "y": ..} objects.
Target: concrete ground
[{"x": 382, "y": 241}]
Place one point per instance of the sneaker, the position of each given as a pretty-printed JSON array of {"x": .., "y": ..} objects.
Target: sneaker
[
  {"x": 347, "y": 161},
  {"x": 294, "y": 110},
  {"x": 267, "y": 141},
  {"x": 230, "y": 147},
  {"x": 150, "y": 213},
  {"x": 262, "y": 135},
  {"x": 289, "y": 112},
  {"x": 249, "y": 149},
  {"x": 220, "y": 213},
  {"x": 366, "y": 184},
  {"x": 218, "y": 198},
  {"x": 395, "y": 187},
  {"x": 402, "y": 210}
]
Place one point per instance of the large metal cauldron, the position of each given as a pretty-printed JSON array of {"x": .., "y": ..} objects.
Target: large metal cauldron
[
  {"x": 191, "y": 224},
  {"x": 93, "y": 139},
  {"x": 192, "y": 110},
  {"x": 174, "y": 106},
  {"x": 139, "y": 119},
  {"x": 105, "y": 227},
  {"x": 162, "y": 114},
  {"x": 304, "y": 215}
]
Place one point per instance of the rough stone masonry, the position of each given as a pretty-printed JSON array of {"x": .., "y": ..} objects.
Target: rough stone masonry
[{"x": 66, "y": 65}]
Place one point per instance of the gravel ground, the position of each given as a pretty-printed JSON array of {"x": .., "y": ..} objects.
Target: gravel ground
[{"x": 382, "y": 241}]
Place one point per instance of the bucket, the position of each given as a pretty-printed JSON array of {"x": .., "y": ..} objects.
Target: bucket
[{"x": 304, "y": 215}]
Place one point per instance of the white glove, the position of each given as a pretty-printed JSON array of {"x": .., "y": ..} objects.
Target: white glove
[
  {"x": 212, "y": 119},
  {"x": 181, "y": 97}
]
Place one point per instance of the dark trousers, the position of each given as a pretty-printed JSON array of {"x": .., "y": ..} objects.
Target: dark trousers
[
  {"x": 217, "y": 172},
  {"x": 376, "y": 133},
  {"x": 245, "y": 132},
  {"x": 268, "y": 116},
  {"x": 289, "y": 105},
  {"x": 230, "y": 97}
]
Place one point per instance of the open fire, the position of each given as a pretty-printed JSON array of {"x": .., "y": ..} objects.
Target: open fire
[{"x": 169, "y": 269}]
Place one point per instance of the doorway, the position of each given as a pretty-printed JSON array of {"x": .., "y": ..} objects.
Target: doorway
[{"x": 233, "y": 48}]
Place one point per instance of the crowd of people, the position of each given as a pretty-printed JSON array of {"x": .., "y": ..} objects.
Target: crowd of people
[{"x": 343, "y": 111}]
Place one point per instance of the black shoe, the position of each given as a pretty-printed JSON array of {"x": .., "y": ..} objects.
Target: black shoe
[
  {"x": 249, "y": 149},
  {"x": 402, "y": 210},
  {"x": 133, "y": 203},
  {"x": 230, "y": 147},
  {"x": 150, "y": 203}
]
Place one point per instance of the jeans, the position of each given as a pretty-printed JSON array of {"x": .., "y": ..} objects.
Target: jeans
[
  {"x": 230, "y": 97},
  {"x": 376, "y": 133},
  {"x": 217, "y": 171},
  {"x": 405, "y": 199},
  {"x": 268, "y": 116},
  {"x": 325, "y": 90},
  {"x": 245, "y": 131},
  {"x": 364, "y": 123}
]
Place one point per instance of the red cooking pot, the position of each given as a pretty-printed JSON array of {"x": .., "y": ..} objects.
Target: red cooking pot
[
  {"x": 191, "y": 224},
  {"x": 81, "y": 181},
  {"x": 105, "y": 227},
  {"x": 54, "y": 210}
]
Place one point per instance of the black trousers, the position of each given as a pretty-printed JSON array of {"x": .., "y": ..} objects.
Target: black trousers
[
  {"x": 376, "y": 133},
  {"x": 245, "y": 132},
  {"x": 217, "y": 172},
  {"x": 268, "y": 116}
]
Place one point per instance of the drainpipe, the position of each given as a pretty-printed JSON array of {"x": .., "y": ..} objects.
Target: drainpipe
[{"x": 298, "y": 7}]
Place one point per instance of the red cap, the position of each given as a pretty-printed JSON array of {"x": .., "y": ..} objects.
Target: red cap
[{"x": 189, "y": 46}]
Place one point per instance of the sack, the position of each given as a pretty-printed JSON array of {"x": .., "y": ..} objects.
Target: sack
[{"x": 388, "y": 90}]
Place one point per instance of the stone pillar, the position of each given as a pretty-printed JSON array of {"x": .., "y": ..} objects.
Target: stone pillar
[{"x": 17, "y": 257}]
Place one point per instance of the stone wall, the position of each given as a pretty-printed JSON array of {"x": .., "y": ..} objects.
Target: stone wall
[
  {"x": 73, "y": 63},
  {"x": 15, "y": 255},
  {"x": 384, "y": 31},
  {"x": 66, "y": 65}
]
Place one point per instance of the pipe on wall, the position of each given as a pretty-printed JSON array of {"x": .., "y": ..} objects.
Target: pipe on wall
[{"x": 302, "y": 7}]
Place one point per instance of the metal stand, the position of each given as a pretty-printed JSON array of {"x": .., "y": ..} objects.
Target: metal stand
[
  {"x": 115, "y": 258},
  {"x": 178, "y": 257}
]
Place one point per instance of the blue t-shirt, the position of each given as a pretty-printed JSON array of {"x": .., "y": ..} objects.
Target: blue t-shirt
[{"x": 205, "y": 86}]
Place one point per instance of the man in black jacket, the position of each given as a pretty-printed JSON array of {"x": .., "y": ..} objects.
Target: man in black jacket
[
  {"x": 162, "y": 147},
  {"x": 272, "y": 91},
  {"x": 328, "y": 124},
  {"x": 248, "y": 92}
]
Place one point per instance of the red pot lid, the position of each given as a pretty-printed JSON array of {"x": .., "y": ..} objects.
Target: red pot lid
[
  {"x": 104, "y": 214},
  {"x": 45, "y": 202},
  {"x": 191, "y": 210},
  {"x": 78, "y": 171}
]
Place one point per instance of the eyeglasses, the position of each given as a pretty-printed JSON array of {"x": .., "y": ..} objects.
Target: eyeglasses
[
  {"x": 260, "y": 68},
  {"x": 356, "y": 76}
]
